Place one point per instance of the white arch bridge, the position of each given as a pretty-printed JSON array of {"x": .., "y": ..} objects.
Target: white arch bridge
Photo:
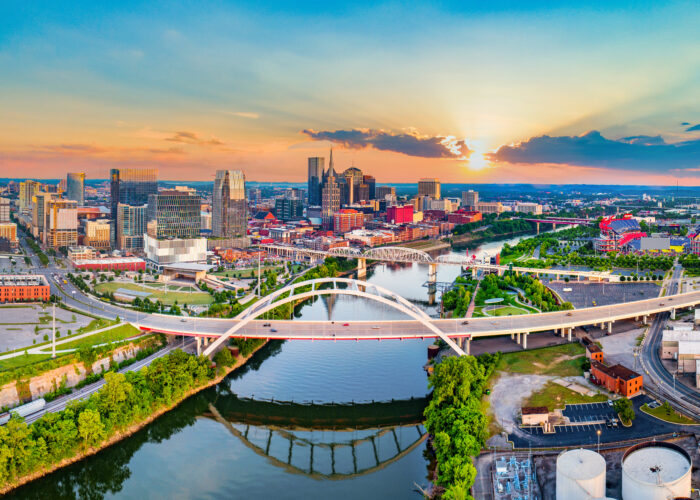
[{"x": 418, "y": 324}]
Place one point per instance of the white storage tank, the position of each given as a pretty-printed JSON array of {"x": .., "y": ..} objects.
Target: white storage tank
[
  {"x": 580, "y": 475},
  {"x": 655, "y": 471}
]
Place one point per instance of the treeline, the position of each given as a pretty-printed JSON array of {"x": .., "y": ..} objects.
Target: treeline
[
  {"x": 124, "y": 400},
  {"x": 37, "y": 250},
  {"x": 458, "y": 298},
  {"x": 496, "y": 228},
  {"x": 456, "y": 421},
  {"x": 690, "y": 262}
]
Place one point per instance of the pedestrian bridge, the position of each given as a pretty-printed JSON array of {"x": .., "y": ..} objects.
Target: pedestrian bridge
[
  {"x": 412, "y": 255},
  {"x": 418, "y": 325}
]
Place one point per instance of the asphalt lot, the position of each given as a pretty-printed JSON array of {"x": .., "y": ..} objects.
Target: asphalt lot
[
  {"x": 583, "y": 294},
  {"x": 586, "y": 432}
]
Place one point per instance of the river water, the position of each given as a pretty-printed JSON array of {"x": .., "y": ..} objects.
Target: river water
[{"x": 303, "y": 419}]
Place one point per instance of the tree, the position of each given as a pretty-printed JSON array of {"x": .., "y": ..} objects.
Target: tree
[
  {"x": 90, "y": 427},
  {"x": 625, "y": 409}
]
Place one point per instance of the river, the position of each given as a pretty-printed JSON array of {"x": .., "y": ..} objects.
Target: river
[{"x": 303, "y": 419}]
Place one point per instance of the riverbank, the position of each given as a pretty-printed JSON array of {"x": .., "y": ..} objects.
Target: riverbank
[
  {"x": 125, "y": 433},
  {"x": 460, "y": 243}
]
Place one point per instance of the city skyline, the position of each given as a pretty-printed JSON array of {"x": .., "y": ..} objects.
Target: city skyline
[{"x": 463, "y": 92}]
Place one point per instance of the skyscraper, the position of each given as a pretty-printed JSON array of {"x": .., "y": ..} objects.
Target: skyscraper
[
  {"x": 75, "y": 187},
  {"x": 230, "y": 207},
  {"x": 174, "y": 214},
  {"x": 61, "y": 226},
  {"x": 371, "y": 185},
  {"x": 315, "y": 175},
  {"x": 429, "y": 187},
  {"x": 27, "y": 190},
  {"x": 330, "y": 195},
  {"x": 131, "y": 225},
  {"x": 132, "y": 186},
  {"x": 470, "y": 199},
  {"x": 353, "y": 179}
]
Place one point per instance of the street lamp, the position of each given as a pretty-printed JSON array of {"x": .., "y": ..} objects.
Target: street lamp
[{"x": 598, "y": 433}]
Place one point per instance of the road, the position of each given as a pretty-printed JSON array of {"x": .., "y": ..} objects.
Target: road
[
  {"x": 60, "y": 403},
  {"x": 372, "y": 330},
  {"x": 657, "y": 378}
]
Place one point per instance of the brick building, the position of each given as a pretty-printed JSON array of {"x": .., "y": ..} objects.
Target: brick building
[
  {"x": 464, "y": 216},
  {"x": 23, "y": 288},
  {"x": 110, "y": 264},
  {"x": 399, "y": 214},
  {"x": 617, "y": 378},
  {"x": 347, "y": 219},
  {"x": 593, "y": 351}
]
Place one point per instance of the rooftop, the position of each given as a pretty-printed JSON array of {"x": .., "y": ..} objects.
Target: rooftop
[
  {"x": 534, "y": 410},
  {"x": 616, "y": 371},
  {"x": 23, "y": 280}
]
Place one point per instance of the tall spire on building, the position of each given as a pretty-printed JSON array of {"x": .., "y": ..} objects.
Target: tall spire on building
[{"x": 331, "y": 170}]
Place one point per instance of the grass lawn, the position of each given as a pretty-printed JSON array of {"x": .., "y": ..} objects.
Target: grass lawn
[
  {"x": 563, "y": 360},
  {"x": 117, "y": 333},
  {"x": 673, "y": 417},
  {"x": 506, "y": 311},
  {"x": 23, "y": 360},
  {"x": 555, "y": 396},
  {"x": 168, "y": 298}
]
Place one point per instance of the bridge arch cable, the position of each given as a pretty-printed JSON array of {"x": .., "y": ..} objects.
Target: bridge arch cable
[
  {"x": 381, "y": 295},
  {"x": 397, "y": 254}
]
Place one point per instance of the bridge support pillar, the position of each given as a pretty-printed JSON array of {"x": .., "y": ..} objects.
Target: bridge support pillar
[
  {"x": 361, "y": 268},
  {"x": 467, "y": 345},
  {"x": 569, "y": 333},
  {"x": 673, "y": 313},
  {"x": 562, "y": 332},
  {"x": 432, "y": 272},
  {"x": 512, "y": 336},
  {"x": 473, "y": 273},
  {"x": 610, "y": 327},
  {"x": 518, "y": 338},
  {"x": 499, "y": 271},
  {"x": 538, "y": 227},
  {"x": 554, "y": 227},
  {"x": 645, "y": 319},
  {"x": 199, "y": 345},
  {"x": 525, "y": 340}
]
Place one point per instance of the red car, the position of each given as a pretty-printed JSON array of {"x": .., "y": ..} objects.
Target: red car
[{"x": 346, "y": 324}]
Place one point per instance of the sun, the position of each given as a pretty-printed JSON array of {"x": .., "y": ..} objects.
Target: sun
[{"x": 477, "y": 159}]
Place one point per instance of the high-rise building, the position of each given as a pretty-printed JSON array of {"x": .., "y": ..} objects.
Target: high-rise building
[
  {"x": 27, "y": 190},
  {"x": 371, "y": 185},
  {"x": 470, "y": 199},
  {"x": 131, "y": 226},
  {"x": 289, "y": 209},
  {"x": 97, "y": 234},
  {"x": 4, "y": 210},
  {"x": 382, "y": 192},
  {"x": 75, "y": 187},
  {"x": 174, "y": 214},
  {"x": 39, "y": 205},
  {"x": 61, "y": 227},
  {"x": 353, "y": 179},
  {"x": 330, "y": 195},
  {"x": 315, "y": 176},
  {"x": 347, "y": 219},
  {"x": 429, "y": 187},
  {"x": 255, "y": 195},
  {"x": 491, "y": 207},
  {"x": 8, "y": 236},
  {"x": 132, "y": 186},
  {"x": 230, "y": 208}
]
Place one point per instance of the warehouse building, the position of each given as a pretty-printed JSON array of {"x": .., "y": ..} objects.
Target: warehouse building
[{"x": 23, "y": 288}]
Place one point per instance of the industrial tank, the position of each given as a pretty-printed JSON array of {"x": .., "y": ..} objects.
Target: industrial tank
[
  {"x": 580, "y": 475},
  {"x": 655, "y": 471}
]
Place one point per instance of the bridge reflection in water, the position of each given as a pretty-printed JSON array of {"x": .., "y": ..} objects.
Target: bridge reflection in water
[{"x": 324, "y": 441}]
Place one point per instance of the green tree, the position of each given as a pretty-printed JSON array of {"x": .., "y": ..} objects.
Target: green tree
[
  {"x": 90, "y": 427},
  {"x": 625, "y": 409}
]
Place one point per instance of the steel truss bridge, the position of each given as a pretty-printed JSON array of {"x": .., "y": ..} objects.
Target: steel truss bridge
[{"x": 411, "y": 255}]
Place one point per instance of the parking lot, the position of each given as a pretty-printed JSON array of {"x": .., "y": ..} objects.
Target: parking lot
[
  {"x": 588, "y": 419},
  {"x": 582, "y": 294}
]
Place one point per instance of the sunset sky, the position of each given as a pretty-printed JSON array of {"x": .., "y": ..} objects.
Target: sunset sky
[{"x": 541, "y": 92}]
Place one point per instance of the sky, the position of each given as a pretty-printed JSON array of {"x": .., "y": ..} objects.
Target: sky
[{"x": 596, "y": 92}]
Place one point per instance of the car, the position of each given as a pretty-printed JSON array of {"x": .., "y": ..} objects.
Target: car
[
  {"x": 272, "y": 330},
  {"x": 610, "y": 402},
  {"x": 569, "y": 313},
  {"x": 266, "y": 325},
  {"x": 346, "y": 324},
  {"x": 183, "y": 320},
  {"x": 662, "y": 304},
  {"x": 608, "y": 423},
  {"x": 465, "y": 322},
  {"x": 375, "y": 327}
]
